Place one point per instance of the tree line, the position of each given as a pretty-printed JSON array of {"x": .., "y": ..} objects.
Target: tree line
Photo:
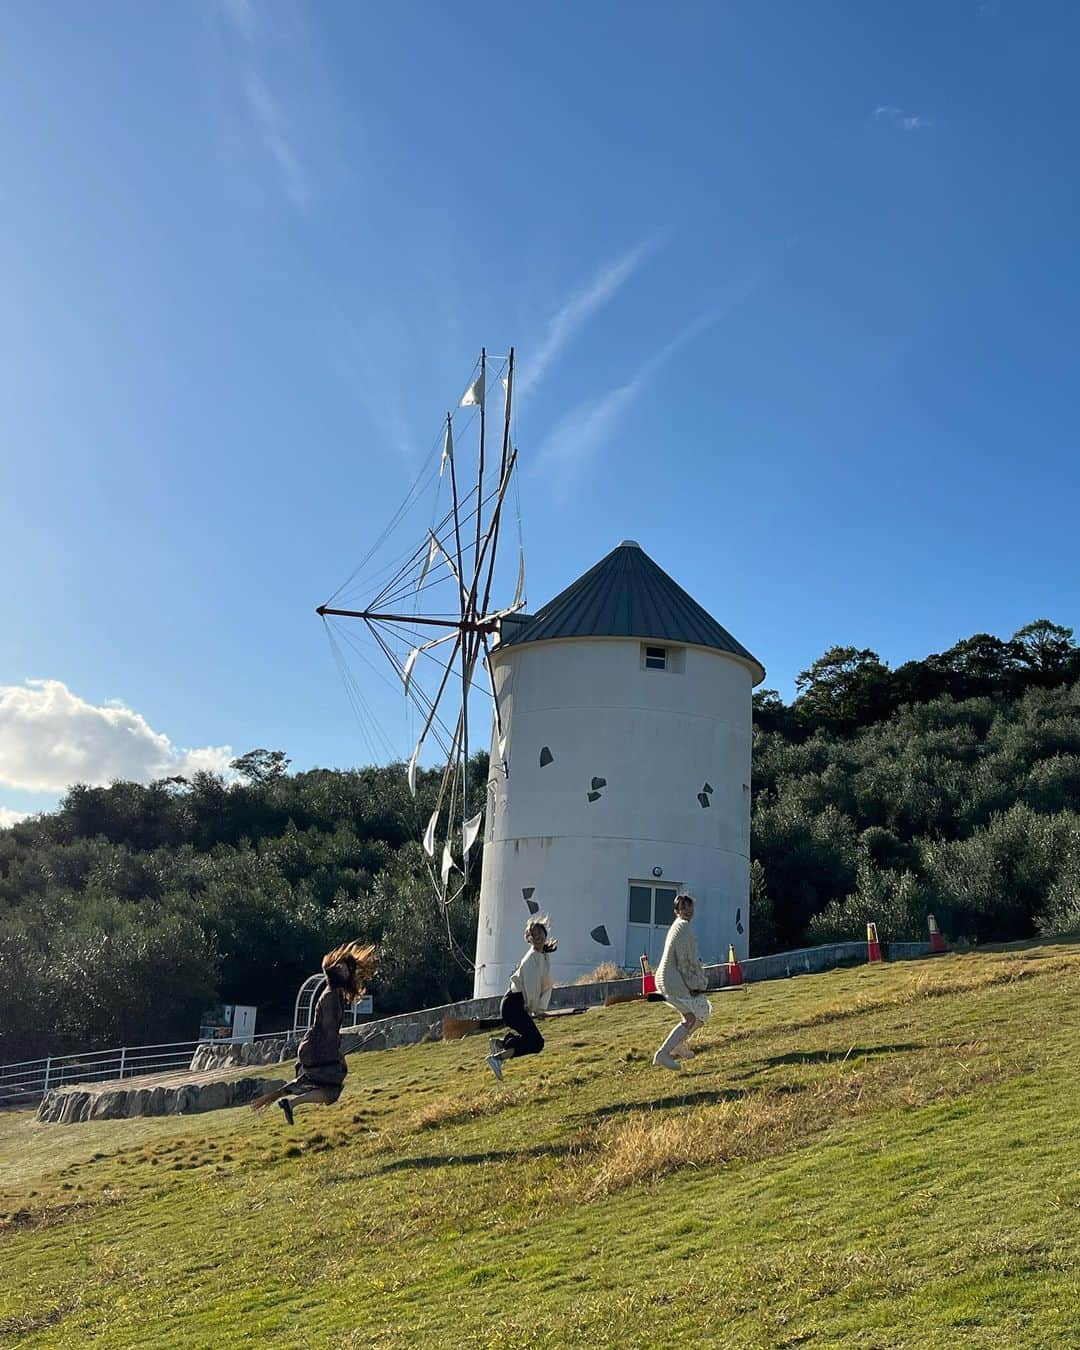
[{"x": 948, "y": 786}]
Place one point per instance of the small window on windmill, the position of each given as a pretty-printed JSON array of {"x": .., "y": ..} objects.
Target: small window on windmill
[{"x": 656, "y": 657}]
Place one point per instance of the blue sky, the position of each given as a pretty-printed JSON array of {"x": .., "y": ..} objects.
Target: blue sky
[{"x": 793, "y": 289}]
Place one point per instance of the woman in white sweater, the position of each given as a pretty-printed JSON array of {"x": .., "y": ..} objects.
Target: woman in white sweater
[
  {"x": 529, "y": 993},
  {"x": 681, "y": 979}
]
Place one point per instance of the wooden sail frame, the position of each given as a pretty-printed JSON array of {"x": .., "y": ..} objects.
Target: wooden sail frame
[{"x": 467, "y": 634}]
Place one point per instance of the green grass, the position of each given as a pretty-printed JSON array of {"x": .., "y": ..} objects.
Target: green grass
[{"x": 874, "y": 1157}]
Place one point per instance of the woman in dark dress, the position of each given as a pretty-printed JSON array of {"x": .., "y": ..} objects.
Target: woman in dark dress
[{"x": 320, "y": 1066}]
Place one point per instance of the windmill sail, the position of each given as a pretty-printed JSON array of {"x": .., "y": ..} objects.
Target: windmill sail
[
  {"x": 404, "y": 600},
  {"x": 474, "y": 395},
  {"x": 519, "y": 590},
  {"x": 471, "y": 830},
  {"x": 432, "y": 554},
  {"x": 448, "y": 447},
  {"x": 409, "y": 663},
  {"x": 429, "y": 834},
  {"x": 447, "y": 865}
]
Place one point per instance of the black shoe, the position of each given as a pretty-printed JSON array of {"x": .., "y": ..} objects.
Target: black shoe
[{"x": 286, "y": 1109}]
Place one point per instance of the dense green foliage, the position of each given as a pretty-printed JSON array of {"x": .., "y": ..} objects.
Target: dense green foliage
[
  {"x": 948, "y": 786},
  {"x": 129, "y": 910}
]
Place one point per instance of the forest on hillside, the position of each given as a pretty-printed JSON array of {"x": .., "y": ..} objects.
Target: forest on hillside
[{"x": 949, "y": 785}]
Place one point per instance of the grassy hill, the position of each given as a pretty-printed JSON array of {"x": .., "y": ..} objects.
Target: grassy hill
[{"x": 874, "y": 1157}]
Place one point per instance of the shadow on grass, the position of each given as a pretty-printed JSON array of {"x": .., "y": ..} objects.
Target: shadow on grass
[
  {"x": 471, "y": 1159},
  {"x": 837, "y": 1056},
  {"x": 682, "y": 1100}
]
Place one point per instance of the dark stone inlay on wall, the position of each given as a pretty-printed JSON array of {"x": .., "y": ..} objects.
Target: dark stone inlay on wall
[
  {"x": 527, "y": 892},
  {"x": 703, "y": 798},
  {"x": 599, "y": 934},
  {"x": 546, "y": 757},
  {"x": 707, "y": 787},
  {"x": 598, "y": 783},
  {"x": 533, "y": 907},
  {"x": 593, "y": 796},
  {"x": 738, "y": 922}
]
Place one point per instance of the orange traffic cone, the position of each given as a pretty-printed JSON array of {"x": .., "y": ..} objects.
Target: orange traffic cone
[
  {"x": 873, "y": 946},
  {"x": 734, "y": 970},
  {"x": 648, "y": 979},
  {"x": 937, "y": 942}
]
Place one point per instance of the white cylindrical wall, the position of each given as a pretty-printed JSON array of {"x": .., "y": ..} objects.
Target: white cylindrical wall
[{"x": 656, "y": 738}]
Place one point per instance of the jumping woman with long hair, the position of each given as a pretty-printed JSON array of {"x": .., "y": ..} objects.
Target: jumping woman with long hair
[
  {"x": 321, "y": 1067},
  {"x": 529, "y": 993}
]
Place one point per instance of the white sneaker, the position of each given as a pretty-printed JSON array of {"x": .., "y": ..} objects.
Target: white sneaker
[
  {"x": 662, "y": 1060},
  {"x": 494, "y": 1063}
]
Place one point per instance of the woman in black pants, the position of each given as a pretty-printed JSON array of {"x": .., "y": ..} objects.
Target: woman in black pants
[{"x": 529, "y": 993}]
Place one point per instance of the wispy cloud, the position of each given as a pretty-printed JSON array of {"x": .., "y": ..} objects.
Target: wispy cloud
[
  {"x": 266, "y": 110},
  {"x": 8, "y": 817},
  {"x": 578, "y": 436},
  {"x": 273, "y": 130},
  {"x": 578, "y": 308},
  {"x": 51, "y": 738},
  {"x": 903, "y": 121}
]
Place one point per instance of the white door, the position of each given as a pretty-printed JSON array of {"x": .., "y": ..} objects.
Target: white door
[{"x": 651, "y": 908}]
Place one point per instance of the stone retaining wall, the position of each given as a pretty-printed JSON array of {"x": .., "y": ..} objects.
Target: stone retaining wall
[{"x": 111, "y": 1101}]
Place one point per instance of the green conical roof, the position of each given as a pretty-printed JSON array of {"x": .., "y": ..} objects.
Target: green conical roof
[{"x": 627, "y": 595}]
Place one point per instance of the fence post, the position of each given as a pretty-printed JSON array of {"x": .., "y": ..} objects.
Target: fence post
[
  {"x": 48, "y": 1066},
  {"x": 123, "y": 1058}
]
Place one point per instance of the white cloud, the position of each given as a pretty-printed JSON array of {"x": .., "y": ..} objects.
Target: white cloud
[
  {"x": 578, "y": 435},
  {"x": 903, "y": 121},
  {"x": 241, "y": 14},
  {"x": 570, "y": 317},
  {"x": 584, "y": 430},
  {"x": 265, "y": 108},
  {"x": 273, "y": 129},
  {"x": 8, "y": 817},
  {"x": 51, "y": 738}
]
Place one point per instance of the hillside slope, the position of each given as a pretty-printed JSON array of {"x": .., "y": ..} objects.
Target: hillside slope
[{"x": 875, "y": 1157}]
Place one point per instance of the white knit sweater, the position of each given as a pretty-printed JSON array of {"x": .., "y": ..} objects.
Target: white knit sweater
[
  {"x": 680, "y": 972},
  {"x": 533, "y": 979}
]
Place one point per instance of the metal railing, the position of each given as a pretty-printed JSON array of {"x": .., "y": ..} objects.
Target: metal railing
[
  {"x": 21, "y": 1083},
  {"x": 24, "y": 1083}
]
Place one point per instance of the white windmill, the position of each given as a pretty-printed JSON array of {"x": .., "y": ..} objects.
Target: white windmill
[{"x": 626, "y": 721}]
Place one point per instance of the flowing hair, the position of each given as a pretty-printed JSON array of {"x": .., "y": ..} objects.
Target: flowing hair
[
  {"x": 541, "y": 921},
  {"x": 359, "y": 961}
]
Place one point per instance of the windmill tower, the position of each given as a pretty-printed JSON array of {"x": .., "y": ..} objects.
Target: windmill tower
[{"x": 625, "y": 718}]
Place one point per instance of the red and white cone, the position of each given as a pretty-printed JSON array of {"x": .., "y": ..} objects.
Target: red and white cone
[
  {"x": 734, "y": 970},
  {"x": 873, "y": 946},
  {"x": 648, "y": 979},
  {"x": 937, "y": 942}
]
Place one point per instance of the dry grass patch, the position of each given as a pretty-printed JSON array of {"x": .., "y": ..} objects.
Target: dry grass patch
[
  {"x": 772, "y": 1121},
  {"x": 606, "y": 970},
  {"x": 448, "y": 1111}
]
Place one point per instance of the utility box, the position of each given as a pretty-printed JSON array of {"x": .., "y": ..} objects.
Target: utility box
[{"x": 228, "y": 1022}]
